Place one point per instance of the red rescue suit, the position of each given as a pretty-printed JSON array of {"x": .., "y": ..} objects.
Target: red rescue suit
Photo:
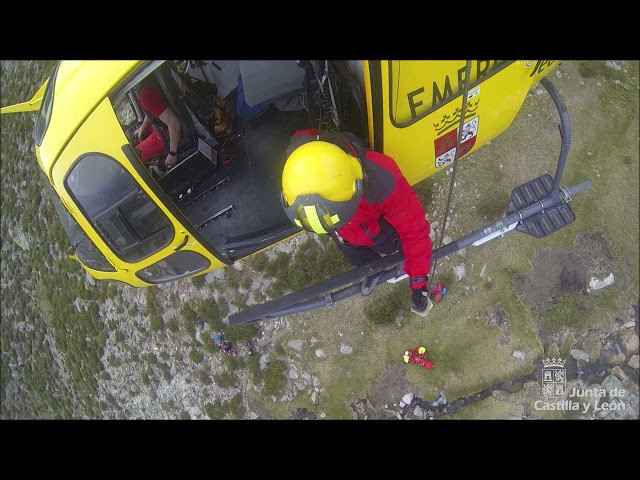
[
  {"x": 388, "y": 199},
  {"x": 412, "y": 356}
]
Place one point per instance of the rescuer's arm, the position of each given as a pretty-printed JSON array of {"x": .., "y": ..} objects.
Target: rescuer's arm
[
  {"x": 403, "y": 210},
  {"x": 142, "y": 130},
  {"x": 173, "y": 124}
]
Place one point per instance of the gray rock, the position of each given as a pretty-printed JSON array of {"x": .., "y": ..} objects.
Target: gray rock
[
  {"x": 296, "y": 344},
  {"x": 408, "y": 398},
  {"x": 346, "y": 349},
  {"x": 441, "y": 400},
  {"x": 630, "y": 324},
  {"x": 195, "y": 412},
  {"x": 320, "y": 353},
  {"x": 283, "y": 247},
  {"x": 219, "y": 273},
  {"x": 323, "y": 415},
  {"x": 210, "y": 277},
  {"x": 596, "y": 284},
  {"x": 271, "y": 255},
  {"x": 418, "y": 411},
  {"x": 630, "y": 342},
  {"x": 307, "y": 378},
  {"x": 293, "y": 373},
  {"x": 299, "y": 385},
  {"x": 285, "y": 399},
  {"x": 617, "y": 371},
  {"x": 579, "y": 355},
  {"x": 613, "y": 64},
  {"x": 459, "y": 271},
  {"x": 316, "y": 382},
  {"x": 250, "y": 301},
  {"x": 634, "y": 362},
  {"x": 612, "y": 382},
  {"x": 264, "y": 361},
  {"x": 238, "y": 265},
  {"x": 484, "y": 269},
  {"x": 446, "y": 240},
  {"x": 314, "y": 398},
  {"x": 519, "y": 355},
  {"x": 313, "y": 340},
  {"x": 90, "y": 279}
]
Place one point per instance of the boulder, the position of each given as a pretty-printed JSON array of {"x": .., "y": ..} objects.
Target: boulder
[
  {"x": 346, "y": 349},
  {"x": 296, "y": 345},
  {"x": 629, "y": 342},
  {"x": 596, "y": 284},
  {"x": 264, "y": 361},
  {"x": 579, "y": 355},
  {"x": 320, "y": 353},
  {"x": 459, "y": 271},
  {"x": 407, "y": 398}
]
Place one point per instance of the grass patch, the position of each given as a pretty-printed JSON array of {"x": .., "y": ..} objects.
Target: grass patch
[
  {"x": 240, "y": 333},
  {"x": 424, "y": 191},
  {"x": 236, "y": 409},
  {"x": 310, "y": 265},
  {"x": 568, "y": 312},
  {"x": 246, "y": 282},
  {"x": 225, "y": 380},
  {"x": 210, "y": 312},
  {"x": 598, "y": 68},
  {"x": 492, "y": 207},
  {"x": 195, "y": 356},
  {"x": 198, "y": 281},
  {"x": 204, "y": 377},
  {"x": 259, "y": 262},
  {"x": 386, "y": 307}
]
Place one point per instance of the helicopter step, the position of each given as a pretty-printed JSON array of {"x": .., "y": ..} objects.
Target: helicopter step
[{"x": 548, "y": 220}]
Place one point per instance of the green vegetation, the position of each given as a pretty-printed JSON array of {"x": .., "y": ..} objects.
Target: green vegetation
[
  {"x": 240, "y": 333},
  {"x": 155, "y": 320},
  {"x": 259, "y": 262},
  {"x": 204, "y": 377},
  {"x": 246, "y": 282},
  {"x": 189, "y": 317},
  {"x": 272, "y": 378},
  {"x": 311, "y": 264},
  {"x": 236, "y": 409},
  {"x": 225, "y": 380},
  {"x": 598, "y": 68},
  {"x": 386, "y": 307},
  {"x": 198, "y": 281},
  {"x": 196, "y": 356},
  {"x": 210, "y": 312}
]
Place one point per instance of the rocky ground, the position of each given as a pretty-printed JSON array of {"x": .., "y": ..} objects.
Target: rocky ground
[{"x": 511, "y": 302}]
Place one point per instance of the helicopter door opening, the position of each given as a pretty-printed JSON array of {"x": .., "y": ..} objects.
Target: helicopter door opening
[{"x": 228, "y": 181}]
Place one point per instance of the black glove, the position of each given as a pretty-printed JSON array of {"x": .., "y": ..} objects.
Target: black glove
[{"x": 421, "y": 301}]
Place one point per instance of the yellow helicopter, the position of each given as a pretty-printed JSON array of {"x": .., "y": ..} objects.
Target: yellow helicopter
[{"x": 143, "y": 225}]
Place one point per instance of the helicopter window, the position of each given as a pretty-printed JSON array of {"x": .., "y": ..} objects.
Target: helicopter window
[
  {"x": 175, "y": 266},
  {"x": 125, "y": 112},
  {"x": 122, "y": 213},
  {"x": 44, "y": 114},
  {"x": 82, "y": 246}
]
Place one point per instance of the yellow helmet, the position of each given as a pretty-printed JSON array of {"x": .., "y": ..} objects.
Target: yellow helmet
[
  {"x": 421, "y": 351},
  {"x": 321, "y": 186}
]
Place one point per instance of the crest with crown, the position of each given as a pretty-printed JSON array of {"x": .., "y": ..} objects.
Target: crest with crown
[{"x": 553, "y": 362}]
